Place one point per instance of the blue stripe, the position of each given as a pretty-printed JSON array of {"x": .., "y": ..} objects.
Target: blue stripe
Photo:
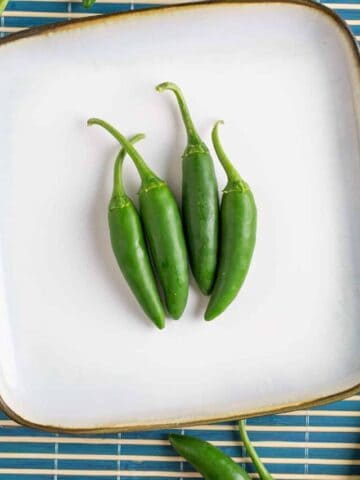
[
  {"x": 341, "y": 406},
  {"x": 24, "y": 432},
  {"x": 332, "y": 453},
  {"x": 335, "y": 437},
  {"x": 26, "y": 447},
  {"x": 335, "y": 469},
  {"x": 26, "y": 463},
  {"x": 29, "y": 22},
  {"x": 155, "y": 466},
  {"x": 19, "y": 476},
  {"x": 87, "y": 464},
  {"x": 88, "y": 449},
  {"x": 355, "y": 2},
  {"x": 37, "y": 6},
  {"x": 334, "y": 421},
  {"x": 78, "y": 477}
]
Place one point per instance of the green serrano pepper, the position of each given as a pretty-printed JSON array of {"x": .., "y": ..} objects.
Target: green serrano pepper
[
  {"x": 128, "y": 244},
  {"x": 88, "y": 3},
  {"x": 200, "y": 200},
  {"x": 3, "y": 4},
  {"x": 208, "y": 460},
  {"x": 162, "y": 223},
  {"x": 263, "y": 472},
  {"x": 238, "y": 235}
]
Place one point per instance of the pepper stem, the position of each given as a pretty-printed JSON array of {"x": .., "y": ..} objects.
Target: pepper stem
[
  {"x": 145, "y": 172},
  {"x": 260, "y": 467},
  {"x": 192, "y": 134},
  {"x": 118, "y": 187},
  {"x": 230, "y": 170}
]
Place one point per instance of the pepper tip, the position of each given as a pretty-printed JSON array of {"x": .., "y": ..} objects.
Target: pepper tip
[
  {"x": 174, "y": 437},
  {"x": 209, "y": 315}
]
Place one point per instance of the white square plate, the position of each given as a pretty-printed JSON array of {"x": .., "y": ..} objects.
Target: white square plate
[{"x": 76, "y": 352}]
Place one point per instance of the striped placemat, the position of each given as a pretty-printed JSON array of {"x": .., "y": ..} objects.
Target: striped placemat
[{"x": 321, "y": 444}]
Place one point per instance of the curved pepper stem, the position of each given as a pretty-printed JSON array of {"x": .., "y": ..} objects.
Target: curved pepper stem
[
  {"x": 118, "y": 187},
  {"x": 260, "y": 467},
  {"x": 234, "y": 179},
  {"x": 229, "y": 168},
  {"x": 193, "y": 137},
  {"x": 145, "y": 172}
]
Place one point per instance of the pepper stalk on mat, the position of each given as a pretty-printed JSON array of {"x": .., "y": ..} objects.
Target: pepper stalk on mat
[
  {"x": 163, "y": 228},
  {"x": 238, "y": 235},
  {"x": 212, "y": 463},
  {"x": 260, "y": 467},
  {"x": 200, "y": 200},
  {"x": 129, "y": 247}
]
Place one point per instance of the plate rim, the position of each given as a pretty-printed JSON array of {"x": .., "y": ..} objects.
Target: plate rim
[{"x": 176, "y": 423}]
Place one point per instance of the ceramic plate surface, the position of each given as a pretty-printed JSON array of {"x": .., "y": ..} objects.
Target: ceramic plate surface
[{"x": 75, "y": 349}]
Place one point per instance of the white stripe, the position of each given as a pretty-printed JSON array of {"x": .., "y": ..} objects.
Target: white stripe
[
  {"x": 343, "y": 6},
  {"x": 258, "y": 428},
  {"x": 47, "y": 14},
  {"x": 140, "y": 474},
  {"x": 11, "y": 29},
  {"x": 280, "y": 428},
  {"x": 325, "y": 413},
  {"x": 169, "y": 458},
  {"x": 93, "y": 473},
  {"x": 141, "y": 442},
  {"x": 8, "y": 423}
]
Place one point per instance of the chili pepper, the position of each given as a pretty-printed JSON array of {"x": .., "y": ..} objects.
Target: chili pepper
[
  {"x": 260, "y": 467},
  {"x": 3, "y": 4},
  {"x": 128, "y": 244},
  {"x": 238, "y": 235},
  {"x": 88, "y": 3},
  {"x": 200, "y": 200},
  {"x": 208, "y": 460},
  {"x": 162, "y": 223}
]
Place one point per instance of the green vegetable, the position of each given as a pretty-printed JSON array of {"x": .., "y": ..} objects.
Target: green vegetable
[
  {"x": 88, "y": 3},
  {"x": 200, "y": 200},
  {"x": 260, "y": 467},
  {"x": 162, "y": 223},
  {"x": 128, "y": 243},
  {"x": 211, "y": 462},
  {"x": 238, "y": 235},
  {"x": 3, "y": 4}
]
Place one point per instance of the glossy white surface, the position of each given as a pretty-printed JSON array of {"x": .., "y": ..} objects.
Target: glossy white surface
[{"x": 75, "y": 349}]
